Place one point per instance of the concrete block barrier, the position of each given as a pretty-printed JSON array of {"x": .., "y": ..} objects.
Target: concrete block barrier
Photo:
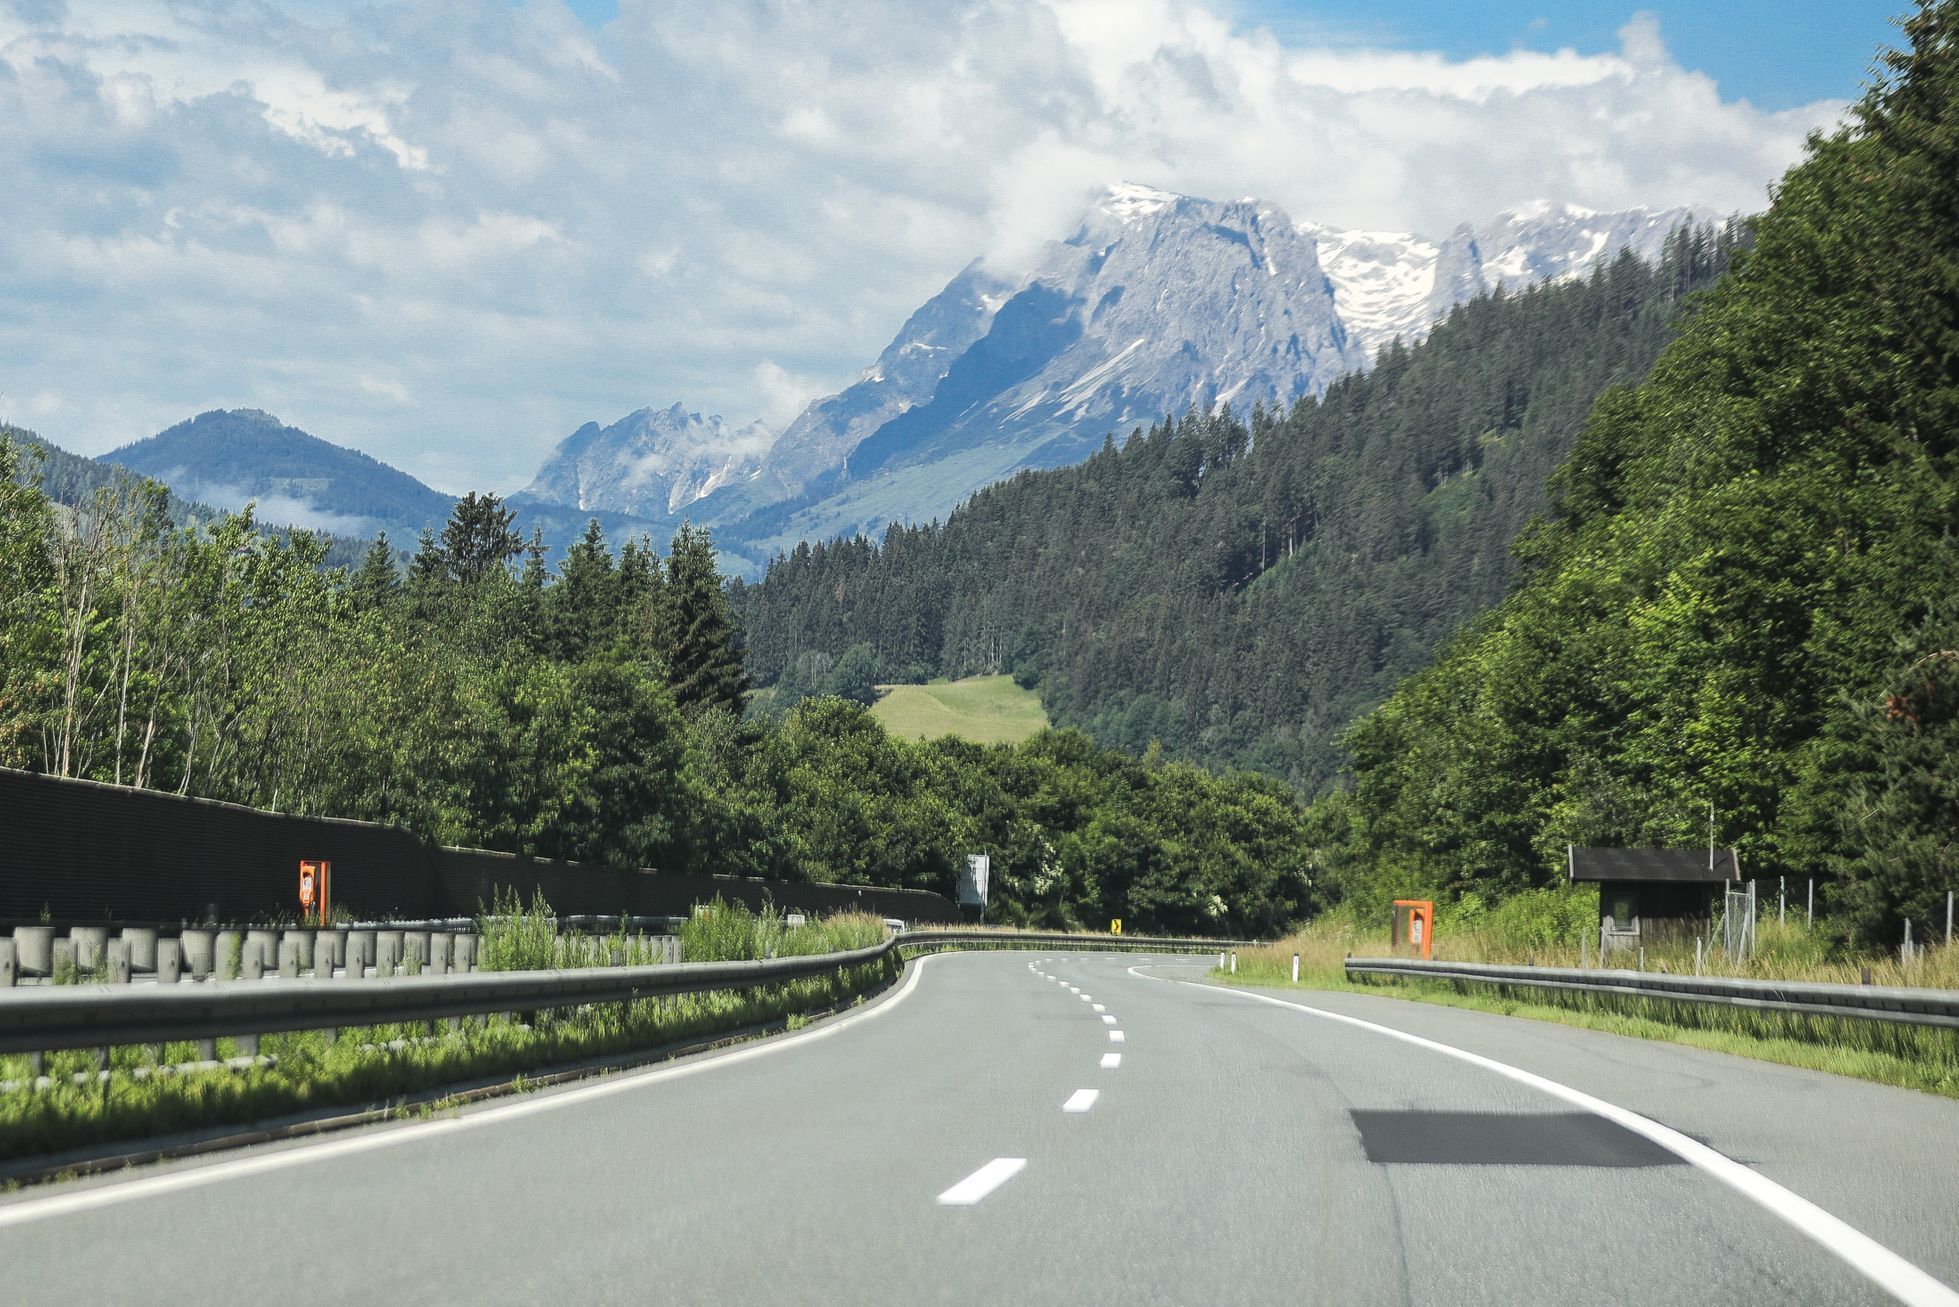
[
  {"x": 34, "y": 950},
  {"x": 387, "y": 952},
  {"x": 64, "y": 956},
  {"x": 265, "y": 943},
  {"x": 304, "y": 942},
  {"x": 169, "y": 961},
  {"x": 465, "y": 952},
  {"x": 116, "y": 958},
  {"x": 7, "y": 965},
  {"x": 89, "y": 942},
  {"x": 199, "y": 951},
  {"x": 288, "y": 958},
  {"x": 142, "y": 947},
  {"x": 332, "y": 941}
]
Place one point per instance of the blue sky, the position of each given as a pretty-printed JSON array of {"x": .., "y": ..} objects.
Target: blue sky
[
  {"x": 448, "y": 232},
  {"x": 1775, "y": 53}
]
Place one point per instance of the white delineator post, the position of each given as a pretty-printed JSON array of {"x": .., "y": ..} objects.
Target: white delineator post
[
  {"x": 1948, "y": 935},
  {"x": 1234, "y": 963}
]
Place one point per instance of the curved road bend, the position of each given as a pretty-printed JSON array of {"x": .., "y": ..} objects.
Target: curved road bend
[{"x": 1077, "y": 1129}]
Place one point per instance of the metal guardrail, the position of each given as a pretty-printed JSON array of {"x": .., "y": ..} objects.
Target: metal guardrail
[
  {"x": 48, "y": 1018},
  {"x": 1914, "y": 1007}
]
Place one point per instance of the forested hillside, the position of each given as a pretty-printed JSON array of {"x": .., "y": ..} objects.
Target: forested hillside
[
  {"x": 1239, "y": 587},
  {"x": 1746, "y": 592},
  {"x": 592, "y": 714}
]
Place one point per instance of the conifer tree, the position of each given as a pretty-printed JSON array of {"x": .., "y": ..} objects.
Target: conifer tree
[{"x": 704, "y": 658}]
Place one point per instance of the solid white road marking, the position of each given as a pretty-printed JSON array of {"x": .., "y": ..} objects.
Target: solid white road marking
[
  {"x": 1890, "y": 1272},
  {"x": 1081, "y": 1100},
  {"x": 1110, "y": 1061},
  {"x": 193, "y": 1177},
  {"x": 1115, "y": 1036},
  {"x": 982, "y": 1182},
  {"x": 1108, "y": 1020}
]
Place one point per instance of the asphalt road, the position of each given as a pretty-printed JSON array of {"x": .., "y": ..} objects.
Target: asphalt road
[{"x": 971, "y": 1138}]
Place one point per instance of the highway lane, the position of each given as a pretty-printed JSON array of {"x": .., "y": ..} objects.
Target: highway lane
[{"x": 1239, "y": 1152}]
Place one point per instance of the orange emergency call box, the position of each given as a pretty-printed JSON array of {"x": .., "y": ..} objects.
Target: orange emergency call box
[
  {"x": 1420, "y": 934},
  {"x": 314, "y": 876}
]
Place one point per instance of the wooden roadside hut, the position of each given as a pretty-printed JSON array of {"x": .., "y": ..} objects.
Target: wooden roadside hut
[{"x": 1646, "y": 896}]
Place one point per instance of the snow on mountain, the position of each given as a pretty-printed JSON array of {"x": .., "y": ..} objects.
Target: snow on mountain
[
  {"x": 1390, "y": 284},
  {"x": 1156, "y": 304},
  {"x": 651, "y": 463},
  {"x": 1382, "y": 281}
]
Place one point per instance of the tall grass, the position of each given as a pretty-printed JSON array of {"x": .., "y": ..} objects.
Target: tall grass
[{"x": 730, "y": 932}]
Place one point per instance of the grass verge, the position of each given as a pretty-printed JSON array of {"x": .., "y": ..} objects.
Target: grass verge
[
  {"x": 1910, "y": 1057},
  {"x": 357, "y": 1069}
]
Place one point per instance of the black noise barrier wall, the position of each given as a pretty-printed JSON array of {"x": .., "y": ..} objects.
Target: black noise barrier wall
[{"x": 78, "y": 851}]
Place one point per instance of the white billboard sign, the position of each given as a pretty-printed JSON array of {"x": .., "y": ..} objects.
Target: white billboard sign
[{"x": 972, "y": 881}]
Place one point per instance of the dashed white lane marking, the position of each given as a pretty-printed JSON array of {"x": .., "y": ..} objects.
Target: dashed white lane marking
[
  {"x": 1073, "y": 990},
  {"x": 1110, "y": 1061},
  {"x": 1890, "y": 1272},
  {"x": 1085, "y": 998},
  {"x": 1108, "y": 1020},
  {"x": 1115, "y": 1036},
  {"x": 194, "y": 1177},
  {"x": 982, "y": 1182},
  {"x": 1100, "y": 1008},
  {"x": 1081, "y": 1100}
]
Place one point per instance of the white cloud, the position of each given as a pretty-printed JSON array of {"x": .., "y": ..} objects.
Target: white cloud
[{"x": 448, "y": 235}]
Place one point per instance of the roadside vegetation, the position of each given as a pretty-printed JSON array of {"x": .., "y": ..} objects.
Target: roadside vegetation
[
  {"x": 1544, "y": 927},
  {"x": 594, "y": 711},
  {"x": 378, "y": 1067}
]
